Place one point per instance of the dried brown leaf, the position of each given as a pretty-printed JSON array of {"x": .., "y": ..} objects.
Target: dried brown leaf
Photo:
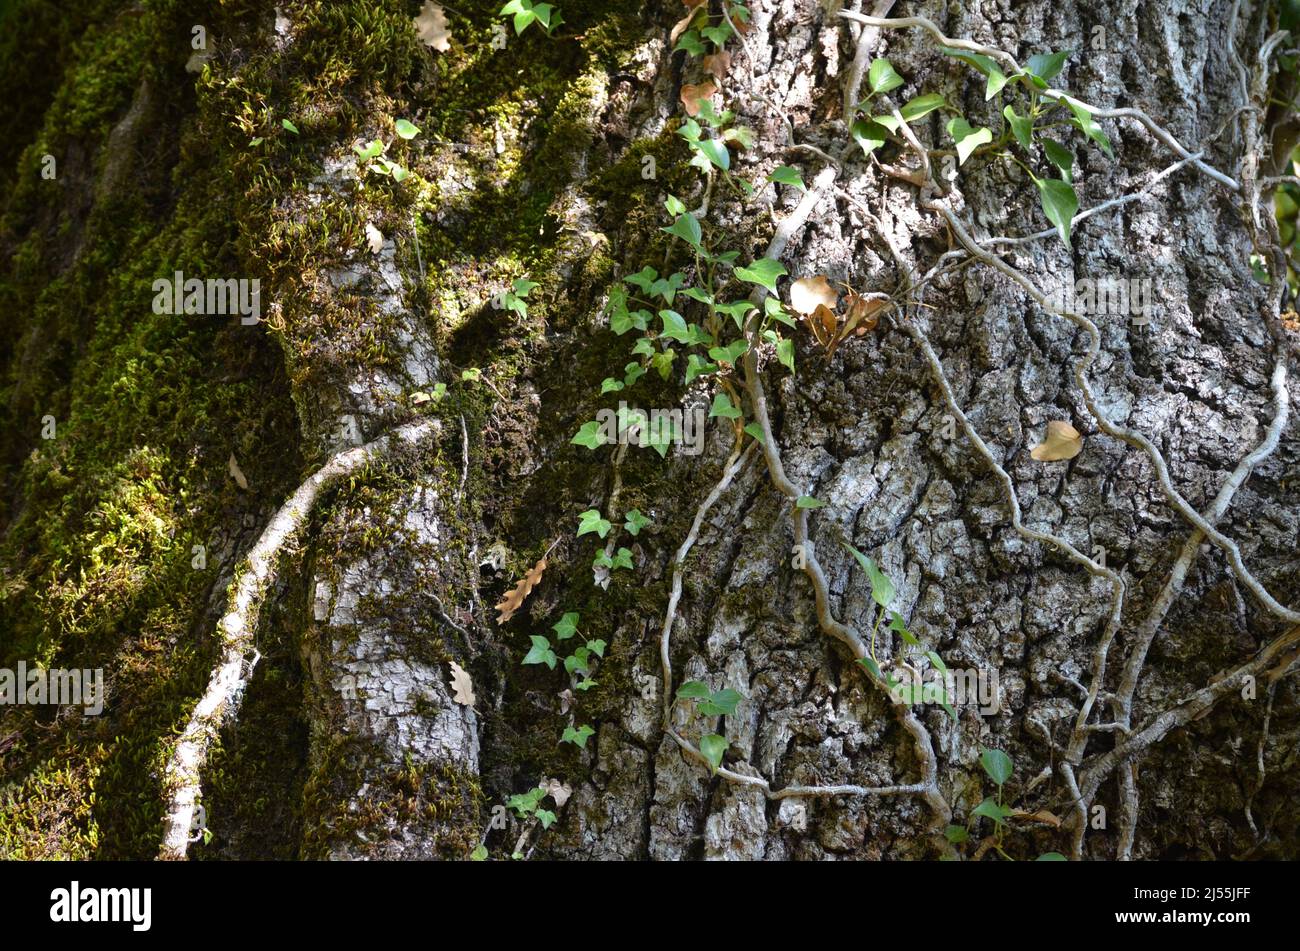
[
  {"x": 692, "y": 96},
  {"x": 1042, "y": 816},
  {"x": 809, "y": 293},
  {"x": 684, "y": 24},
  {"x": 514, "y": 598},
  {"x": 237, "y": 474},
  {"x": 1062, "y": 442},
  {"x": 461, "y": 685},
  {"x": 863, "y": 313},
  {"x": 718, "y": 64},
  {"x": 431, "y": 25}
]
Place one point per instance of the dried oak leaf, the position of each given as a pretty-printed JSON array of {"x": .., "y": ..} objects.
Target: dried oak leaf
[
  {"x": 461, "y": 685},
  {"x": 514, "y": 598},
  {"x": 809, "y": 293},
  {"x": 863, "y": 313},
  {"x": 823, "y": 323},
  {"x": 718, "y": 64},
  {"x": 692, "y": 96},
  {"x": 374, "y": 238},
  {"x": 1041, "y": 816},
  {"x": 431, "y": 25},
  {"x": 1062, "y": 442}
]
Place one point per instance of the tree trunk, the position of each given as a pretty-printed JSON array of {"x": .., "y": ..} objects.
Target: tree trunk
[{"x": 1162, "y": 725}]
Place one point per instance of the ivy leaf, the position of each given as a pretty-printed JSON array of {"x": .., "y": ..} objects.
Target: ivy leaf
[
  {"x": 541, "y": 652},
  {"x": 997, "y": 764},
  {"x": 1061, "y": 157},
  {"x": 1046, "y": 65},
  {"x": 622, "y": 559},
  {"x": 967, "y": 137},
  {"x": 597, "y": 647},
  {"x": 370, "y": 151},
  {"x": 988, "y": 67},
  {"x": 545, "y": 817},
  {"x": 869, "y": 134},
  {"x": 634, "y": 521},
  {"x": 632, "y": 372},
  {"x": 991, "y": 810},
  {"x": 872, "y": 666},
  {"x": 921, "y": 106},
  {"x": 721, "y": 703},
  {"x": 693, "y": 690},
  {"x": 763, "y": 272},
  {"x": 785, "y": 175},
  {"x": 713, "y": 747},
  {"x": 722, "y": 407},
  {"x": 935, "y": 659},
  {"x": 715, "y": 152},
  {"x": 1084, "y": 120},
  {"x": 586, "y": 685},
  {"x": 674, "y": 326},
  {"x": 882, "y": 589},
  {"x": 808, "y": 502},
  {"x": 956, "y": 834},
  {"x": 731, "y": 353},
  {"x": 577, "y": 661},
  {"x": 756, "y": 431},
  {"x": 686, "y": 228},
  {"x": 407, "y": 130},
  {"x": 566, "y": 626},
  {"x": 697, "y": 366},
  {"x": 1059, "y": 204},
  {"x": 785, "y": 352},
  {"x": 592, "y": 521},
  {"x": 690, "y": 42},
  {"x": 1021, "y": 126},
  {"x": 1051, "y": 857},
  {"x": 479, "y": 854},
  {"x": 610, "y": 385},
  {"x": 897, "y": 626},
  {"x": 289, "y": 125},
  {"x": 577, "y": 737},
  {"x": 882, "y": 77},
  {"x": 591, "y": 435},
  {"x": 643, "y": 278}
]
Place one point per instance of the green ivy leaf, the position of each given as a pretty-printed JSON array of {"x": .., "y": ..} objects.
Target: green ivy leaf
[
  {"x": 988, "y": 67},
  {"x": 592, "y": 521},
  {"x": 956, "y": 834},
  {"x": 634, "y": 521},
  {"x": 731, "y": 353},
  {"x": 541, "y": 652},
  {"x": 967, "y": 137},
  {"x": 722, "y": 407},
  {"x": 686, "y": 228},
  {"x": 897, "y": 626},
  {"x": 872, "y": 666},
  {"x": 808, "y": 502},
  {"x": 785, "y": 175},
  {"x": 882, "y": 77},
  {"x": 577, "y": 737},
  {"x": 991, "y": 810},
  {"x": 597, "y": 647},
  {"x": 921, "y": 106},
  {"x": 935, "y": 659},
  {"x": 1059, "y": 204},
  {"x": 610, "y": 385},
  {"x": 1084, "y": 120},
  {"x": 566, "y": 626},
  {"x": 1061, "y": 157},
  {"x": 763, "y": 272},
  {"x": 997, "y": 764},
  {"x": 722, "y": 703},
  {"x": 405, "y": 129},
  {"x": 289, "y": 125},
  {"x": 713, "y": 747},
  {"x": 632, "y": 372},
  {"x": 1021, "y": 126},
  {"x": 1046, "y": 65},
  {"x": 1051, "y": 857},
  {"x": 785, "y": 352},
  {"x": 622, "y": 559},
  {"x": 370, "y": 151},
  {"x": 756, "y": 431},
  {"x": 586, "y": 685},
  {"x": 697, "y": 366},
  {"x": 545, "y": 817},
  {"x": 882, "y": 589},
  {"x": 693, "y": 690},
  {"x": 643, "y": 278},
  {"x": 674, "y": 326},
  {"x": 690, "y": 42},
  {"x": 591, "y": 435},
  {"x": 479, "y": 854},
  {"x": 715, "y": 152},
  {"x": 869, "y": 134}
]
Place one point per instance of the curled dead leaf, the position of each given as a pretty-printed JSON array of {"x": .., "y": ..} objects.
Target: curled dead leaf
[
  {"x": 684, "y": 24},
  {"x": 718, "y": 64},
  {"x": 374, "y": 238},
  {"x": 1041, "y": 816},
  {"x": 557, "y": 790},
  {"x": 431, "y": 25},
  {"x": 461, "y": 685},
  {"x": 514, "y": 598},
  {"x": 692, "y": 96},
  {"x": 808, "y": 293},
  {"x": 863, "y": 314},
  {"x": 1062, "y": 442}
]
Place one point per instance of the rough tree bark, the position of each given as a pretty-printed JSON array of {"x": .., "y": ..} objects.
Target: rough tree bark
[{"x": 529, "y": 164}]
